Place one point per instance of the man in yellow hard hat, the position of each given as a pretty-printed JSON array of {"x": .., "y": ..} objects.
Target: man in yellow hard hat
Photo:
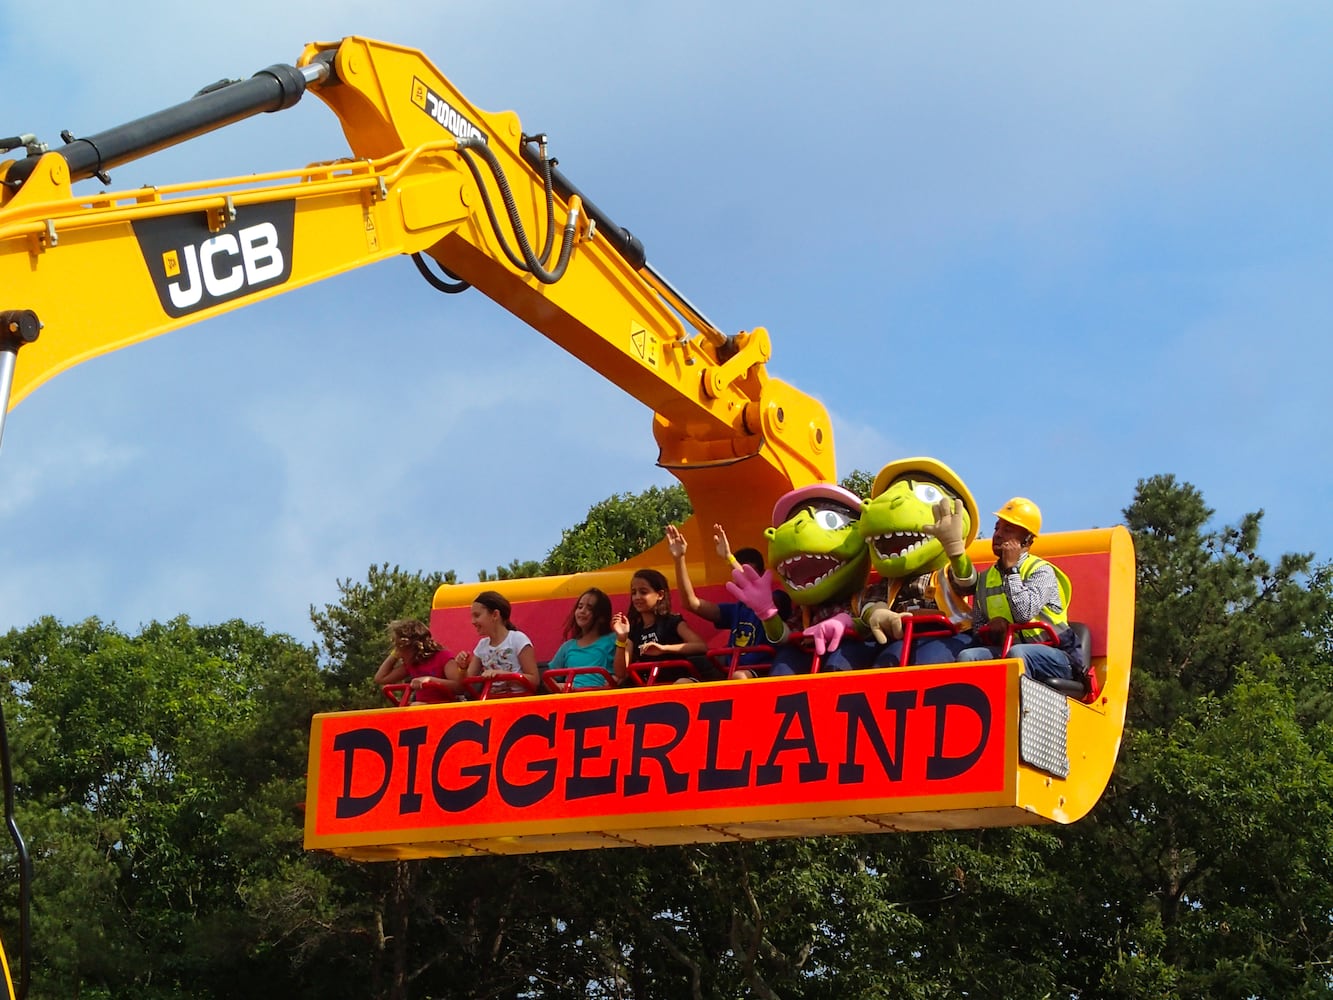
[{"x": 1021, "y": 587}]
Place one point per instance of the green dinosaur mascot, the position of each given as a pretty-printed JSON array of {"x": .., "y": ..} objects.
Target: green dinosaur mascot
[
  {"x": 820, "y": 560},
  {"x": 916, "y": 526}
]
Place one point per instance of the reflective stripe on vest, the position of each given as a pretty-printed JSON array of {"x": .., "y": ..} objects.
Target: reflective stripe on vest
[{"x": 997, "y": 601}]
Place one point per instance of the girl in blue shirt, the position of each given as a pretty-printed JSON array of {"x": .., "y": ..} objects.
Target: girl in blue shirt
[{"x": 590, "y": 641}]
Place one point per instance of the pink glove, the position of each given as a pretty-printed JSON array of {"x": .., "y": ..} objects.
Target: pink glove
[
  {"x": 828, "y": 633},
  {"x": 754, "y": 590}
]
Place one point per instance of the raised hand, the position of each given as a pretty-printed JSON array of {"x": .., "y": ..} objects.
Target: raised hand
[
  {"x": 1007, "y": 552},
  {"x": 753, "y": 589},
  {"x": 676, "y": 543},
  {"x": 720, "y": 542},
  {"x": 948, "y": 526},
  {"x": 620, "y": 625}
]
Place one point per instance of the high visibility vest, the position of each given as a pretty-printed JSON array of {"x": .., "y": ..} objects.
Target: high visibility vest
[{"x": 997, "y": 605}]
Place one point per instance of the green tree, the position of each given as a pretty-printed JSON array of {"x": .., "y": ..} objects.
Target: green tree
[
  {"x": 1217, "y": 817},
  {"x": 618, "y": 528},
  {"x": 352, "y": 637},
  {"x": 160, "y": 774},
  {"x": 134, "y": 753},
  {"x": 518, "y": 569},
  {"x": 858, "y": 481}
]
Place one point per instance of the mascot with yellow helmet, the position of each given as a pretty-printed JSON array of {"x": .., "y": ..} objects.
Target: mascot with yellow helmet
[{"x": 916, "y": 526}]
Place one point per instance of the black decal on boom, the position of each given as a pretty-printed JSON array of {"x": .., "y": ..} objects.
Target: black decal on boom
[
  {"x": 193, "y": 268},
  {"x": 444, "y": 114}
]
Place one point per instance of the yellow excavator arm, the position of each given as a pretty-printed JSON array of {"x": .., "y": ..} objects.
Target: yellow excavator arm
[{"x": 430, "y": 175}]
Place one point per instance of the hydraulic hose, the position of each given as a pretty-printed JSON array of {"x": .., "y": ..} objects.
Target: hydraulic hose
[
  {"x": 528, "y": 262},
  {"x": 438, "y": 283}
]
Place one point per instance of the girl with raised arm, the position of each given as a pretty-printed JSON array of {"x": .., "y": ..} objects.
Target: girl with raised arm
[{"x": 650, "y": 631}]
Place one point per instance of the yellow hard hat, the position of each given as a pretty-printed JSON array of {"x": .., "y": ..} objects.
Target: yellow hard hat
[{"x": 1022, "y": 512}]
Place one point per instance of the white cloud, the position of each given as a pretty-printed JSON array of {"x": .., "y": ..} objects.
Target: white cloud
[{"x": 37, "y": 473}]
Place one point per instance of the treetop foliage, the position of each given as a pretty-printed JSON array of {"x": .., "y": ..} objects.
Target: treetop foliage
[
  {"x": 159, "y": 777},
  {"x": 618, "y": 528}
]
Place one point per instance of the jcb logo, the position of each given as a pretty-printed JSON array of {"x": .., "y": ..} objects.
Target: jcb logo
[
  {"x": 223, "y": 265},
  {"x": 194, "y": 269}
]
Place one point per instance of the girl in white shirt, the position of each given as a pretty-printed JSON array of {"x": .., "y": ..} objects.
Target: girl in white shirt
[{"x": 502, "y": 649}]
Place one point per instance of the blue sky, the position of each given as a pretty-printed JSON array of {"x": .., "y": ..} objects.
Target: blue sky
[{"x": 1106, "y": 225}]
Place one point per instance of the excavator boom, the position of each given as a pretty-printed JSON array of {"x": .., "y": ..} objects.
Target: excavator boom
[{"x": 430, "y": 175}]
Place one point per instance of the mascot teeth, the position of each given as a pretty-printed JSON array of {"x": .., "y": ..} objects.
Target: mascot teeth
[
  {"x": 898, "y": 543},
  {"x": 804, "y": 571}
]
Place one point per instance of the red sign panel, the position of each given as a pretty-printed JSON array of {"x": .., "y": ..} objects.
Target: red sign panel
[{"x": 726, "y": 750}]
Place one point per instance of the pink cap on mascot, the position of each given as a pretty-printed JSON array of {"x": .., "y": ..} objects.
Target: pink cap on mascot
[{"x": 789, "y": 502}]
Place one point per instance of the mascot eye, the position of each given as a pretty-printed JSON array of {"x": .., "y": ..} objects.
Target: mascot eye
[
  {"x": 830, "y": 520},
  {"x": 928, "y": 493}
]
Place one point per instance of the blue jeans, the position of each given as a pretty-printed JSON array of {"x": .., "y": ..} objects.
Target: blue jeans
[
  {"x": 854, "y": 654},
  {"x": 1040, "y": 662},
  {"x": 851, "y": 654},
  {"x": 931, "y": 649}
]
